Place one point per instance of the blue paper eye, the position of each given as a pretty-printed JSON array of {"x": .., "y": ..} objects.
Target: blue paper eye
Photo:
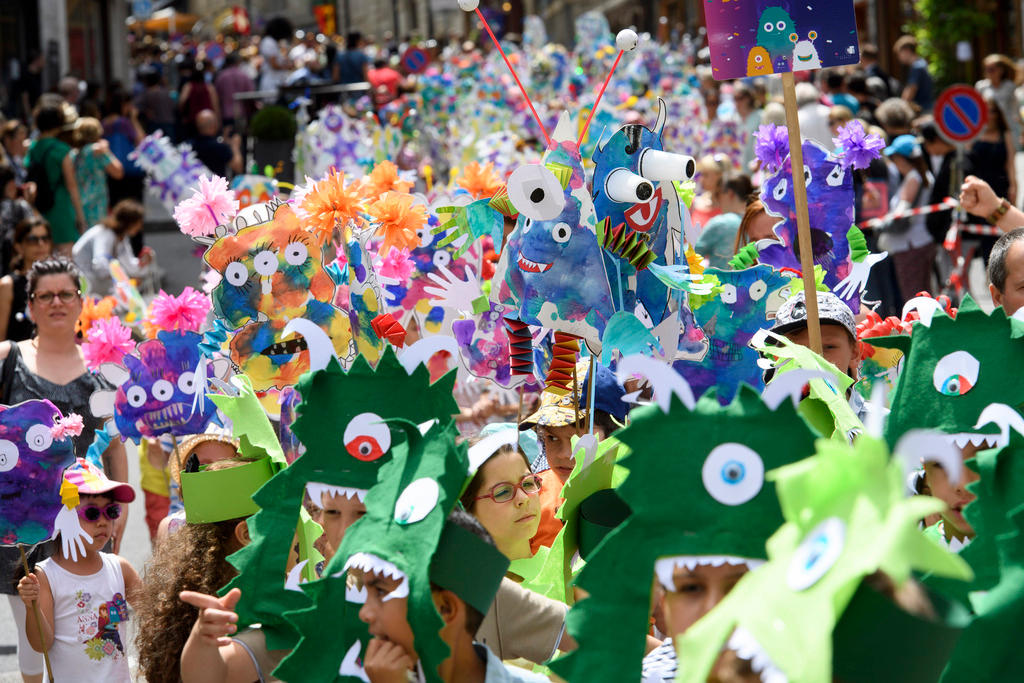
[
  {"x": 956, "y": 373},
  {"x": 733, "y": 473},
  {"x": 816, "y": 554}
]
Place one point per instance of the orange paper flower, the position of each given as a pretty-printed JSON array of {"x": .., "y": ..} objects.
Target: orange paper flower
[
  {"x": 93, "y": 310},
  {"x": 480, "y": 181},
  {"x": 384, "y": 178},
  {"x": 398, "y": 219},
  {"x": 332, "y": 203}
]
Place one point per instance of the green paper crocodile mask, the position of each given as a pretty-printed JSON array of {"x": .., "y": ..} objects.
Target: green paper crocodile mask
[
  {"x": 340, "y": 424},
  {"x": 405, "y": 514},
  {"x": 847, "y": 517},
  {"x": 960, "y": 376},
  {"x": 698, "y": 495}
]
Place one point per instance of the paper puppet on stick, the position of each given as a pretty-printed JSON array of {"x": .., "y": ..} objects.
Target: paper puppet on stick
[
  {"x": 35, "y": 449},
  {"x": 761, "y": 37},
  {"x": 171, "y": 172},
  {"x": 551, "y": 272}
]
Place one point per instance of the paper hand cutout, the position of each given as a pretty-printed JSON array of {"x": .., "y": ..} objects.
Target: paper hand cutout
[
  {"x": 456, "y": 294},
  {"x": 72, "y": 537},
  {"x": 851, "y": 286}
]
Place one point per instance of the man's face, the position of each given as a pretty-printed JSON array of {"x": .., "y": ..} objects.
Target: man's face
[
  {"x": 836, "y": 344},
  {"x": 558, "y": 447},
  {"x": 386, "y": 616},
  {"x": 1012, "y": 296}
]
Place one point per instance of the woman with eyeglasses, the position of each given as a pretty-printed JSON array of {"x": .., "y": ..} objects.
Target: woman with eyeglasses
[
  {"x": 504, "y": 496},
  {"x": 32, "y": 242}
]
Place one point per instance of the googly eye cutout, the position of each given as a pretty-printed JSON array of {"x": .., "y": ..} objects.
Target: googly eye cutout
[
  {"x": 807, "y": 176},
  {"x": 265, "y": 263},
  {"x": 781, "y": 26},
  {"x": 561, "y": 232},
  {"x": 8, "y": 455},
  {"x": 416, "y": 501},
  {"x": 441, "y": 258},
  {"x": 187, "y": 382},
  {"x": 733, "y": 473},
  {"x": 769, "y": 27},
  {"x": 38, "y": 437},
  {"x": 758, "y": 289},
  {"x": 236, "y": 273},
  {"x": 163, "y": 390},
  {"x": 367, "y": 437},
  {"x": 955, "y": 373},
  {"x": 136, "y": 396},
  {"x": 424, "y": 236},
  {"x": 836, "y": 176},
  {"x": 816, "y": 554},
  {"x": 728, "y": 294},
  {"x": 295, "y": 254},
  {"x": 780, "y": 190},
  {"x": 535, "y": 192}
]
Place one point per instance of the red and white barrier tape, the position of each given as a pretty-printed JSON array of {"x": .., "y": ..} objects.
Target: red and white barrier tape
[{"x": 945, "y": 205}]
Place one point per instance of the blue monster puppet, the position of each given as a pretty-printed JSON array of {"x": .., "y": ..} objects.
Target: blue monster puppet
[
  {"x": 551, "y": 273},
  {"x": 633, "y": 192},
  {"x": 156, "y": 389},
  {"x": 34, "y": 451},
  {"x": 737, "y": 308}
]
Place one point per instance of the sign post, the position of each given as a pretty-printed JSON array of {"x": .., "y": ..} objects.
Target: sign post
[{"x": 750, "y": 38}]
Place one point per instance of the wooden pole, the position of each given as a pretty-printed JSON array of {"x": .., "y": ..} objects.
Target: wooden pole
[
  {"x": 803, "y": 220},
  {"x": 39, "y": 618}
]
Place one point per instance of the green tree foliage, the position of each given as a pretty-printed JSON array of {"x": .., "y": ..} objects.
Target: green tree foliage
[{"x": 939, "y": 25}]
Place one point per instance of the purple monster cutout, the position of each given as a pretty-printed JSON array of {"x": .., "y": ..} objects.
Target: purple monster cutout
[
  {"x": 157, "y": 388},
  {"x": 32, "y": 464}
]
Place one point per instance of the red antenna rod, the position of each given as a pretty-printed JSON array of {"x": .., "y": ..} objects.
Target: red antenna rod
[
  {"x": 625, "y": 40},
  {"x": 469, "y": 6}
]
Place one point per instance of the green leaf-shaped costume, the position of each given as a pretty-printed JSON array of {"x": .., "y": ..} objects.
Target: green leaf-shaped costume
[
  {"x": 331, "y": 399},
  {"x": 405, "y": 514},
  {"x": 695, "y": 488},
  {"x": 846, "y": 517}
]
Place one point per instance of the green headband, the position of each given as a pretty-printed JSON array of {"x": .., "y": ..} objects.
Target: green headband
[
  {"x": 217, "y": 495},
  {"x": 474, "y": 581}
]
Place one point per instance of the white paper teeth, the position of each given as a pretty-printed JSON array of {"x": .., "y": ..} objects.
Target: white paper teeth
[
  {"x": 371, "y": 564},
  {"x": 665, "y": 567},
  {"x": 355, "y": 595},
  {"x": 962, "y": 439},
  {"x": 746, "y": 647},
  {"x": 316, "y": 491},
  {"x": 294, "y": 579}
]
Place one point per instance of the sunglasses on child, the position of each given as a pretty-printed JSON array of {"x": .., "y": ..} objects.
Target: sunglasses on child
[
  {"x": 505, "y": 492},
  {"x": 91, "y": 513}
]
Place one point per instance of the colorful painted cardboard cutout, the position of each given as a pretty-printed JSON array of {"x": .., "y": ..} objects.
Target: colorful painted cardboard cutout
[
  {"x": 171, "y": 172},
  {"x": 253, "y": 189},
  {"x": 356, "y": 402},
  {"x": 160, "y": 388},
  {"x": 405, "y": 513},
  {"x": 846, "y": 518},
  {"x": 730, "y": 512},
  {"x": 959, "y": 376},
  {"x": 33, "y": 456},
  {"x": 273, "y": 274},
  {"x": 551, "y": 272},
  {"x": 761, "y": 37},
  {"x": 740, "y": 304}
]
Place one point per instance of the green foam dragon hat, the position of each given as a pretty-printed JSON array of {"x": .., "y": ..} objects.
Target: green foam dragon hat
[
  {"x": 847, "y": 517},
  {"x": 398, "y": 536},
  {"x": 697, "y": 493},
  {"x": 955, "y": 369},
  {"x": 341, "y": 425}
]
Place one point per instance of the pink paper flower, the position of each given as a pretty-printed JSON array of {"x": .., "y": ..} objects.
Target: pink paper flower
[
  {"x": 72, "y": 425},
  {"x": 396, "y": 265},
  {"x": 211, "y": 204},
  {"x": 107, "y": 341},
  {"x": 184, "y": 313}
]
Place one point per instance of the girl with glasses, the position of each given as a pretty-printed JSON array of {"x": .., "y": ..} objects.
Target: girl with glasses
[
  {"x": 83, "y": 602},
  {"x": 50, "y": 365},
  {"x": 32, "y": 243}
]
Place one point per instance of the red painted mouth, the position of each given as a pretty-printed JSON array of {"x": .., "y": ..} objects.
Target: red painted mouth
[
  {"x": 642, "y": 216},
  {"x": 532, "y": 266}
]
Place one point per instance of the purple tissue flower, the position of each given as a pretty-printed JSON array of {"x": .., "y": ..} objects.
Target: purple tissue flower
[
  {"x": 855, "y": 147},
  {"x": 772, "y": 146}
]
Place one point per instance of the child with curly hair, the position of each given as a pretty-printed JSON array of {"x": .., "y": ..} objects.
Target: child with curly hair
[{"x": 83, "y": 601}]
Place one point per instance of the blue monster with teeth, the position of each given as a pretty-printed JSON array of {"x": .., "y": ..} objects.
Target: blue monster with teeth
[{"x": 551, "y": 273}]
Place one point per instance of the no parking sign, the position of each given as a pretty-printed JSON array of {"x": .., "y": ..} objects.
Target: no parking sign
[
  {"x": 415, "y": 60},
  {"x": 961, "y": 114}
]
